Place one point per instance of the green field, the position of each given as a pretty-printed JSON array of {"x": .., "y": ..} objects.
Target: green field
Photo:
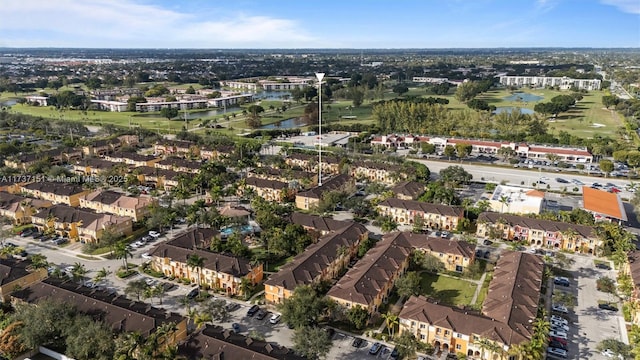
[
  {"x": 448, "y": 290},
  {"x": 587, "y": 119}
]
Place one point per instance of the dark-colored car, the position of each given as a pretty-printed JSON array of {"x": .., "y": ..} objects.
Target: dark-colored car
[
  {"x": 193, "y": 293},
  {"x": 375, "y": 348},
  {"x": 562, "y": 181},
  {"x": 330, "y": 332},
  {"x": 557, "y": 344},
  {"x": 231, "y": 306},
  {"x": 168, "y": 286},
  {"x": 603, "y": 266},
  {"x": 236, "y": 327},
  {"x": 357, "y": 342},
  {"x": 394, "y": 354},
  {"x": 606, "y": 306},
  {"x": 261, "y": 314},
  {"x": 559, "y": 340},
  {"x": 253, "y": 310},
  {"x": 487, "y": 242},
  {"x": 26, "y": 232},
  {"x": 487, "y": 254}
]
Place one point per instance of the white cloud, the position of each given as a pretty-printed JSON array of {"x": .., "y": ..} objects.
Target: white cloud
[
  {"x": 125, "y": 23},
  {"x": 628, "y": 6}
]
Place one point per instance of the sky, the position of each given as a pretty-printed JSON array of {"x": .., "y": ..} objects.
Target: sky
[{"x": 295, "y": 24}]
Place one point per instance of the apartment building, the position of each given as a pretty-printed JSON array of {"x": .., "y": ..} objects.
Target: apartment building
[
  {"x": 284, "y": 175},
  {"x": 323, "y": 260},
  {"x": 91, "y": 166},
  {"x": 539, "y": 233},
  {"x": 309, "y": 162},
  {"x": 122, "y": 314},
  {"x": 159, "y": 178},
  {"x": 219, "y": 271},
  {"x": 111, "y": 202},
  {"x": 56, "y": 156},
  {"x": 132, "y": 158},
  {"x": 215, "y": 342},
  {"x": 433, "y": 216},
  {"x": 308, "y": 199},
  {"x": 56, "y": 192},
  {"x": 179, "y": 165},
  {"x": 376, "y": 172},
  {"x": 80, "y": 225},
  {"x": 17, "y": 274},
  {"x": 506, "y": 318},
  {"x": 177, "y": 148},
  {"x": 19, "y": 208},
  {"x": 369, "y": 282},
  {"x": 408, "y": 190},
  {"x": 317, "y": 224},
  {"x": 270, "y": 190},
  {"x": 102, "y": 147},
  {"x": 216, "y": 153},
  {"x": 563, "y": 82}
]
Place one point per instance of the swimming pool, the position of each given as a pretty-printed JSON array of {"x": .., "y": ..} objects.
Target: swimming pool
[{"x": 243, "y": 229}]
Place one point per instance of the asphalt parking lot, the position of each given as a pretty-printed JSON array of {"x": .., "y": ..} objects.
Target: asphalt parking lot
[{"x": 588, "y": 324}]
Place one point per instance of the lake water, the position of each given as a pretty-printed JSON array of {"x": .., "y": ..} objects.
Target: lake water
[
  {"x": 8, "y": 102},
  {"x": 197, "y": 114},
  {"x": 273, "y": 95},
  {"x": 511, "y": 108},
  {"x": 526, "y": 97},
  {"x": 286, "y": 124}
]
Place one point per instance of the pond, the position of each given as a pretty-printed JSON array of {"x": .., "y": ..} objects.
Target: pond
[
  {"x": 272, "y": 95},
  {"x": 201, "y": 114},
  {"x": 526, "y": 97},
  {"x": 8, "y": 102},
  {"x": 511, "y": 108},
  {"x": 286, "y": 124}
]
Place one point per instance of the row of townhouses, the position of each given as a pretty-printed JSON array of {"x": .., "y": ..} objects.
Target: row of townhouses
[{"x": 523, "y": 150}]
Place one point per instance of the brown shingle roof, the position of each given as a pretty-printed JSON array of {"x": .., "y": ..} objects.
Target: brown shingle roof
[
  {"x": 428, "y": 208},
  {"x": 180, "y": 163},
  {"x": 87, "y": 219},
  {"x": 320, "y": 223},
  {"x": 634, "y": 267},
  {"x": 13, "y": 269},
  {"x": 11, "y": 202},
  {"x": 56, "y": 188},
  {"x": 94, "y": 163},
  {"x": 460, "y": 321},
  {"x": 409, "y": 188},
  {"x": 216, "y": 343},
  {"x": 334, "y": 183},
  {"x": 193, "y": 238},
  {"x": 308, "y": 265},
  {"x": 537, "y": 224},
  {"x": 116, "y": 311},
  {"x": 265, "y": 184},
  {"x": 514, "y": 291}
]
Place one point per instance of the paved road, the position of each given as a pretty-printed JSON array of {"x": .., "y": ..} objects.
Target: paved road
[{"x": 515, "y": 176}]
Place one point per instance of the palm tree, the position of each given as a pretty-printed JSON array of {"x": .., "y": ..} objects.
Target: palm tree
[
  {"x": 122, "y": 251},
  {"x": 101, "y": 275},
  {"x": 128, "y": 344},
  {"x": 245, "y": 287},
  {"x": 391, "y": 320},
  {"x": 186, "y": 301},
  {"x": 79, "y": 271},
  {"x": 39, "y": 261},
  {"x": 194, "y": 261},
  {"x": 201, "y": 318},
  {"x": 159, "y": 291},
  {"x": 504, "y": 200}
]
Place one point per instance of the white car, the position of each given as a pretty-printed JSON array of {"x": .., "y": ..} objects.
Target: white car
[
  {"x": 275, "y": 318},
  {"x": 154, "y": 234},
  {"x": 558, "y": 334},
  {"x": 557, "y": 352},
  {"x": 559, "y": 319},
  {"x": 610, "y": 354},
  {"x": 146, "y": 256},
  {"x": 139, "y": 243},
  {"x": 560, "y": 309}
]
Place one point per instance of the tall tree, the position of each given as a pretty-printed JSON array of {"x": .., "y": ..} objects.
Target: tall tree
[
  {"x": 311, "y": 342},
  {"x": 196, "y": 262}
]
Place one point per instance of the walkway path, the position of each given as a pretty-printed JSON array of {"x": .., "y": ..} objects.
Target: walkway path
[{"x": 478, "y": 288}]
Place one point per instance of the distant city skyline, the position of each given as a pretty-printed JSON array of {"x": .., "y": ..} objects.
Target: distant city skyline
[{"x": 290, "y": 24}]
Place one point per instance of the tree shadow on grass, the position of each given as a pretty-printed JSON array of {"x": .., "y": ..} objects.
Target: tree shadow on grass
[{"x": 446, "y": 296}]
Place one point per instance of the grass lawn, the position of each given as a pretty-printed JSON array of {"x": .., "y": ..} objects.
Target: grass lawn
[{"x": 448, "y": 290}]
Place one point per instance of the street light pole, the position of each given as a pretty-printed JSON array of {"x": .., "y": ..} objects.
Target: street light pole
[{"x": 319, "y": 76}]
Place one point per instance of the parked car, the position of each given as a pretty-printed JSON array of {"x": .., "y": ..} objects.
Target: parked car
[
  {"x": 357, "y": 342},
  {"x": 562, "y": 181},
  {"x": 560, "y": 308},
  {"x": 168, "y": 286},
  {"x": 253, "y": 310},
  {"x": 38, "y": 235},
  {"x": 261, "y": 314},
  {"x": 60, "y": 241},
  {"x": 562, "y": 281},
  {"x": 394, "y": 354},
  {"x": 375, "y": 348},
  {"x": 487, "y": 254},
  {"x": 557, "y": 339},
  {"x": 444, "y": 235},
  {"x": 138, "y": 244},
  {"x": 557, "y": 352},
  {"x": 603, "y": 266},
  {"x": 559, "y": 334},
  {"x": 26, "y": 232},
  {"x": 560, "y": 327},
  {"x": 606, "y": 306},
  {"x": 231, "y": 306},
  {"x": 146, "y": 256},
  {"x": 235, "y": 327},
  {"x": 487, "y": 242},
  {"x": 479, "y": 253},
  {"x": 275, "y": 318},
  {"x": 330, "y": 332},
  {"x": 610, "y": 354},
  {"x": 559, "y": 319},
  {"x": 557, "y": 344},
  {"x": 154, "y": 234},
  {"x": 193, "y": 293}
]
